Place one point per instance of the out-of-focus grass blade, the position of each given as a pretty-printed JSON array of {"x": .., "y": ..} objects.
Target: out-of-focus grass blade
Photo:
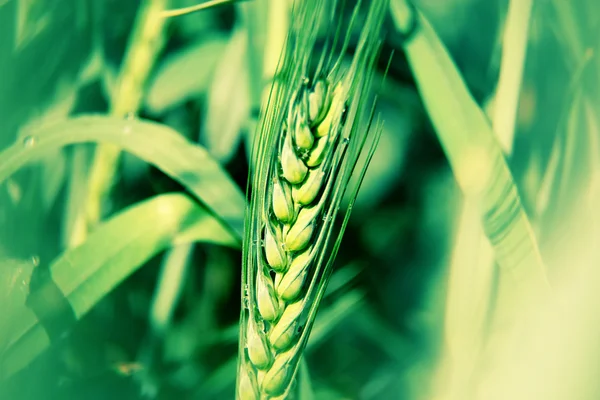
[
  {"x": 186, "y": 74},
  {"x": 557, "y": 357},
  {"x": 560, "y": 357},
  {"x": 514, "y": 47},
  {"x": 198, "y": 7},
  {"x": 474, "y": 155},
  {"x": 14, "y": 281},
  {"x": 305, "y": 390},
  {"x": 470, "y": 291},
  {"x": 154, "y": 143},
  {"x": 388, "y": 161},
  {"x": 329, "y": 318},
  {"x": 266, "y": 23},
  {"x": 39, "y": 70},
  {"x": 228, "y": 103},
  {"x": 571, "y": 32},
  {"x": 110, "y": 254},
  {"x": 170, "y": 284},
  {"x": 73, "y": 223}
]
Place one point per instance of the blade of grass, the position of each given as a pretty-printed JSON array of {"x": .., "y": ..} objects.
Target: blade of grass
[
  {"x": 514, "y": 47},
  {"x": 156, "y": 144},
  {"x": 186, "y": 74},
  {"x": 228, "y": 103},
  {"x": 170, "y": 283},
  {"x": 198, "y": 7},
  {"x": 305, "y": 390},
  {"x": 74, "y": 227},
  {"x": 88, "y": 272},
  {"x": 174, "y": 269},
  {"x": 474, "y": 154},
  {"x": 551, "y": 177},
  {"x": 267, "y": 23},
  {"x": 470, "y": 296},
  {"x": 479, "y": 166}
]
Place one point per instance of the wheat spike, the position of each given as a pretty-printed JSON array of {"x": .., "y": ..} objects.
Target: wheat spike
[{"x": 307, "y": 148}]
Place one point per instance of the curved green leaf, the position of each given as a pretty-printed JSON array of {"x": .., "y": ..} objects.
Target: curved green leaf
[
  {"x": 156, "y": 144},
  {"x": 473, "y": 275},
  {"x": 474, "y": 154},
  {"x": 228, "y": 100},
  {"x": 185, "y": 74},
  {"x": 115, "y": 250}
]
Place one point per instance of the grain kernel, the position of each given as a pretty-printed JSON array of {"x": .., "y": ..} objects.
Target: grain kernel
[
  {"x": 302, "y": 135},
  {"x": 290, "y": 284},
  {"x": 277, "y": 379},
  {"x": 247, "y": 384},
  {"x": 318, "y": 102},
  {"x": 266, "y": 301},
  {"x": 293, "y": 168},
  {"x": 308, "y": 191},
  {"x": 258, "y": 351},
  {"x": 283, "y": 207},
  {"x": 283, "y": 334},
  {"x": 274, "y": 253},
  {"x": 300, "y": 233},
  {"x": 317, "y": 155}
]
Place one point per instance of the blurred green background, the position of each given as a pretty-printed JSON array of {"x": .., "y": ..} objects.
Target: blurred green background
[{"x": 380, "y": 331}]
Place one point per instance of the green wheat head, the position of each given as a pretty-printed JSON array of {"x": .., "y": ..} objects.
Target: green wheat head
[{"x": 306, "y": 150}]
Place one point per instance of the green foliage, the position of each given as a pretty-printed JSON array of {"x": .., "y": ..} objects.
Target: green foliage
[
  {"x": 491, "y": 106},
  {"x": 159, "y": 145},
  {"x": 88, "y": 272}
]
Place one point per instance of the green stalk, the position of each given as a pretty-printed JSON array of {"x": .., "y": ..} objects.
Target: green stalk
[
  {"x": 145, "y": 43},
  {"x": 170, "y": 285},
  {"x": 514, "y": 49}
]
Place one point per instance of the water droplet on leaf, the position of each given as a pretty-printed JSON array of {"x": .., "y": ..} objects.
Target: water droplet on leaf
[{"x": 28, "y": 141}]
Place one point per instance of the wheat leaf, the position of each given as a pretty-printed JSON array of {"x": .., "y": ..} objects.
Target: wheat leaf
[
  {"x": 156, "y": 144},
  {"x": 186, "y": 74},
  {"x": 90, "y": 271},
  {"x": 474, "y": 154}
]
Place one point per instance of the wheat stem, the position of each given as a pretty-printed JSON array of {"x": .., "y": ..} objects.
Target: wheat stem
[{"x": 146, "y": 42}]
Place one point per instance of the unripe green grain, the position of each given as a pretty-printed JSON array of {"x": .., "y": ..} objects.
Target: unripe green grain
[
  {"x": 258, "y": 349},
  {"x": 283, "y": 206},
  {"x": 318, "y": 102},
  {"x": 299, "y": 235},
  {"x": 289, "y": 286},
  {"x": 317, "y": 154},
  {"x": 247, "y": 384},
  {"x": 334, "y": 113},
  {"x": 276, "y": 379},
  {"x": 307, "y": 193},
  {"x": 302, "y": 134},
  {"x": 274, "y": 253},
  {"x": 266, "y": 301},
  {"x": 284, "y": 333},
  {"x": 293, "y": 168},
  {"x": 282, "y": 339}
]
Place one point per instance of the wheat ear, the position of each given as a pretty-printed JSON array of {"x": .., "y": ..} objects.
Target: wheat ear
[{"x": 306, "y": 149}]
